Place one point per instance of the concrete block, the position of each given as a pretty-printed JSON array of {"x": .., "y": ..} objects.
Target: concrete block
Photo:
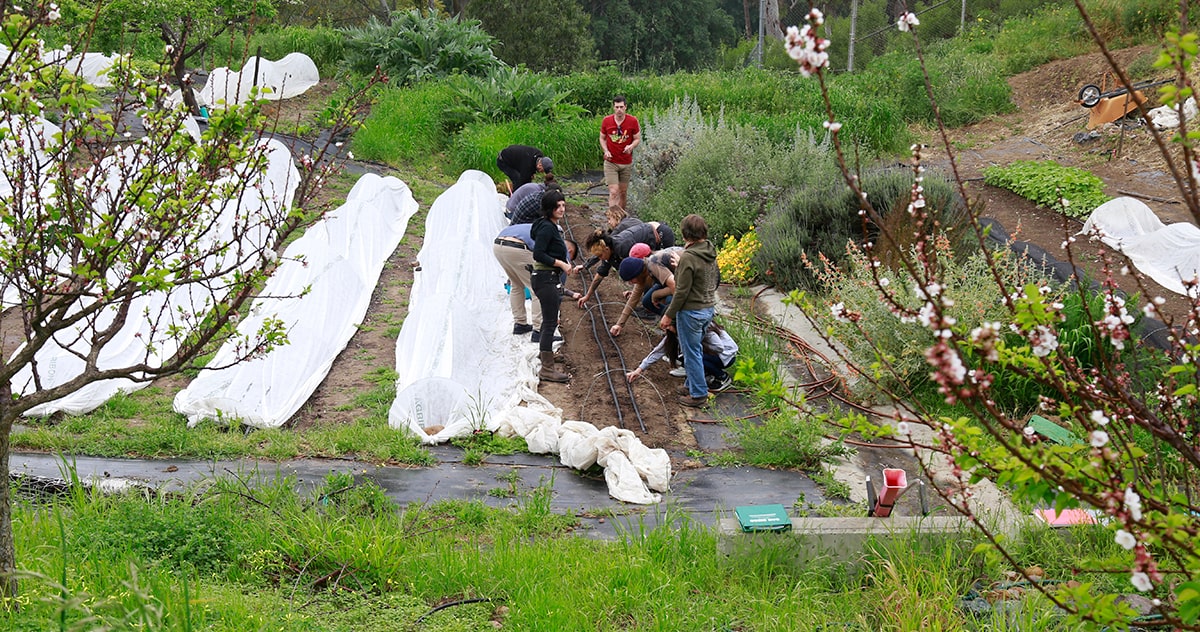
[{"x": 842, "y": 541}]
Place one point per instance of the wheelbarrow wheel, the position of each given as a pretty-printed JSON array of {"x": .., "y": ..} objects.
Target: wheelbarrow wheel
[{"x": 1089, "y": 95}]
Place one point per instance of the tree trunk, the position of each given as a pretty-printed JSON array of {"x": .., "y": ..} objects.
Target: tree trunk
[
  {"x": 771, "y": 20},
  {"x": 746, "y": 12},
  {"x": 8, "y": 550}
]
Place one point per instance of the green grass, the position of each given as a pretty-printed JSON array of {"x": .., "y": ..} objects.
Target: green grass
[
  {"x": 271, "y": 558},
  {"x": 143, "y": 424}
]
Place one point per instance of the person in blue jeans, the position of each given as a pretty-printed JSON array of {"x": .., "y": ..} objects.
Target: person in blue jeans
[{"x": 691, "y": 309}]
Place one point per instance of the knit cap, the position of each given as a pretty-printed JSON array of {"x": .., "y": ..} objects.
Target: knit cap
[{"x": 631, "y": 267}]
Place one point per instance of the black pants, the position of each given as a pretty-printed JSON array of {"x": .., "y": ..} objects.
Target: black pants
[
  {"x": 547, "y": 288},
  {"x": 515, "y": 176}
]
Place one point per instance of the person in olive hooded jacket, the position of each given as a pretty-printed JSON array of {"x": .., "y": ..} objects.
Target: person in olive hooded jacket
[{"x": 690, "y": 312}]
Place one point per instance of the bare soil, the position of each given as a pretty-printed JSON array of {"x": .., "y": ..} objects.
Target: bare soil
[{"x": 1043, "y": 127}]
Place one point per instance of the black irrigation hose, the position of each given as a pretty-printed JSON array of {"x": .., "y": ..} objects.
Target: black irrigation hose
[
  {"x": 460, "y": 602},
  {"x": 612, "y": 388}
]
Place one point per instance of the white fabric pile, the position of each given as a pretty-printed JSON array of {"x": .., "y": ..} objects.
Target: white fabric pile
[
  {"x": 461, "y": 369},
  {"x": 339, "y": 261},
  {"x": 1168, "y": 118},
  {"x": 1169, "y": 254}
]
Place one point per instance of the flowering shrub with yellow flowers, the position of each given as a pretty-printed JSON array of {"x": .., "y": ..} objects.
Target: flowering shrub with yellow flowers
[{"x": 736, "y": 258}]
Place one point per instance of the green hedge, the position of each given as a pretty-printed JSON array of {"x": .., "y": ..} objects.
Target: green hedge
[
  {"x": 574, "y": 145},
  {"x": 405, "y": 125}
]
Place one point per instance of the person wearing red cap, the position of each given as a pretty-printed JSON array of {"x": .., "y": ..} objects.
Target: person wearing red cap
[{"x": 653, "y": 282}]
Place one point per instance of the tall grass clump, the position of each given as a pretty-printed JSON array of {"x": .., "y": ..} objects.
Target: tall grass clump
[
  {"x": 967, "y": 85},
  {"x": 572, "y": 143},
  {"x": 413, "y": 47},
  {"x": 406, "y": 125},
  {"x": 1053, "y": 32},
  {"x": 821, "y": 219},
  {"x": 732, "y": 175}
]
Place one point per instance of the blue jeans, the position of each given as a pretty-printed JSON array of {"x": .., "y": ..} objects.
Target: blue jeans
[
  {"x": 648, "y": 301},
  {"x": 690, "y": 324}
]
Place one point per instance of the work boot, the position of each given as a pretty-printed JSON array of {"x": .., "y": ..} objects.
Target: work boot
[{"x": 547, "y": 373}]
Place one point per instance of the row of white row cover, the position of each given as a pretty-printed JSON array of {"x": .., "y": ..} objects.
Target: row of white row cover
[
  {"x": 144, "y": 338},
  {"x": 289, "y": 77},
  {"x": 461, "y": 369},
  {"x": 1167, "y": 253},
  {"x": 321, "y": 291}
]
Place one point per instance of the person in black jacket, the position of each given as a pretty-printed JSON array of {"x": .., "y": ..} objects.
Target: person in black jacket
[
  {"x": 550, "y": 261},
  {"x": 521, "y": 162}
]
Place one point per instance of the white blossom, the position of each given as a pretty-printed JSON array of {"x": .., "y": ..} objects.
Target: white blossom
[
  {"x": 907, "y": 21},
  {"x": 1141, "y": 581},
  {"x": 1133, "y": 503},
  {"x": 1125, "y": 539},
  {"x": 902, "y": 428},
  {"x": 1099, "y": 438},
  {"x": 1099, "y": 417}
]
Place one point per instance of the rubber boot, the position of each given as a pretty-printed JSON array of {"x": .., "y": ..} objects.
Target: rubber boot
[{"x": 547, "y": 373}]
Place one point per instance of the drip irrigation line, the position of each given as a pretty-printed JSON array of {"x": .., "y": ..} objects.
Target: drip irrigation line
[
  {"x": 608, "y": 370},
  {"x": 806, "y": 352},
  {"x": 460, "y": 602}
]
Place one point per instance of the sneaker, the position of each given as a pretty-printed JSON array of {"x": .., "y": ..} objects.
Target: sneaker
[
  {"x": 693, "y": 402},
  {"x": 718, "y": 385},
  {"x": 537, "y": 337},
  {"x": 645, "y": 314},
  {"x": 521, "y": 329},
  {"x": 677, "y": 372}
]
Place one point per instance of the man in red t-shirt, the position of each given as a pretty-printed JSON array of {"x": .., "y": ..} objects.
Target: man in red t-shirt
[{"x": 619, "y": 134}]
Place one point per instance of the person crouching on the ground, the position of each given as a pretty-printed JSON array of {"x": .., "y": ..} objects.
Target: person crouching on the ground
[
  {"x": 521, "y": 162},
  {"x": 720, "y": 352},
  {"x": 691, "y": 310},
  {"x": 549, "y": 258},
  {"x": 653, "y": 283},
  {"x": 513, "y": 249},
  {"x": 619, "y": 221},
  {"x": 525, "y": 204},
  {"x": 611, "y": 250}
]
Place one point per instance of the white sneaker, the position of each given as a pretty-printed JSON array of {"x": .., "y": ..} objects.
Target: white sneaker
[{"x": 677, "y": 372}]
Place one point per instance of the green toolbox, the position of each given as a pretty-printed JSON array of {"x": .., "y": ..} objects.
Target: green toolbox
[{"x": 763, "y": 518}]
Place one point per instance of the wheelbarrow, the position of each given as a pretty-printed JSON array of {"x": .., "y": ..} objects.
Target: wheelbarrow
[{"x": 1109, "y": 106}]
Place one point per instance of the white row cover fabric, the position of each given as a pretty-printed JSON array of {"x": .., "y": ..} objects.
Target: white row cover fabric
[
  {"x": 91, "y": 67},
  {"x": 340, "y": 259},
  {"x": 1166, "y": 117},
  {"x": 461, "y": 369},
  {"x": 1169, "y": 254},
  {"x": 61, "y": 360},
  {"x": 289, "y": 77}
]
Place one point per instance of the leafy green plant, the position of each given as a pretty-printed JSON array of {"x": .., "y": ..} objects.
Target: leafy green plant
[
  {"x": 1048, "y": 184},
  {"x": 415, "y": 46},
  {"x": 506, "y": 94},
  {"x": 786, "y": 439}
]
